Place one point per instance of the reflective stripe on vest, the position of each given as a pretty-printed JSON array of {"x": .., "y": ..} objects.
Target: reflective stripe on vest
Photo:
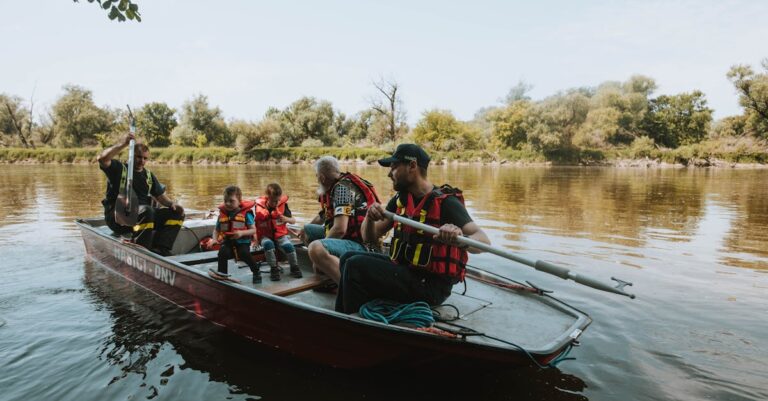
[
  {"x": 124, "y": 178},
  {"x": 238, "y": 221}
]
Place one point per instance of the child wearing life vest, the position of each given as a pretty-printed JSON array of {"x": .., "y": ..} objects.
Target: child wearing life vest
[
  {"x": 272, "y": 215},
  {"x": 234, "y": 231}
]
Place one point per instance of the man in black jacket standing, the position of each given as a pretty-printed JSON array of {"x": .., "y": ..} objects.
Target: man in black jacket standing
[{"x": 156, "y": 228}]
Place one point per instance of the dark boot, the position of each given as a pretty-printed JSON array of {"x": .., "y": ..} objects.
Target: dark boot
[
  {"x": 274, "y": 273},
  {"x": 296, "y": 272}
]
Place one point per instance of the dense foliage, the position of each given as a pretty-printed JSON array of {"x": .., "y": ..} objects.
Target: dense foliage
[{"x": 587, "y": 124}]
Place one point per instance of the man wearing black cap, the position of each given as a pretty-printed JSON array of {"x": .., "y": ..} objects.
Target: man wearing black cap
[{"x": 420, "y": 266}]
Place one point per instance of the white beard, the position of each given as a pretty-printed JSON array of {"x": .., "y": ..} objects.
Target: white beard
[{"x": 320, "y": 190}]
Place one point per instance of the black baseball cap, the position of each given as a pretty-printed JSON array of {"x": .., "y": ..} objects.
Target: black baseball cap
[{"x": 407, "y": 152}]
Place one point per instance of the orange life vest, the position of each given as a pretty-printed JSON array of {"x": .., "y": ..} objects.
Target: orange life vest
[
  {"x": 266, "y": 218},
  {"x": 357, "y": 216},
  {"x": 237, "y": 222},
  {"x": 419, "y": 250}
]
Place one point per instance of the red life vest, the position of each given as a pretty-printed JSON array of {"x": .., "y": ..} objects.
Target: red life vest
[
  {"x": 357, "y": 214},
  {"x": 417, "y": 249},
  {"x": 266, "y": 218},
  {"x": 237, "y": 223}
]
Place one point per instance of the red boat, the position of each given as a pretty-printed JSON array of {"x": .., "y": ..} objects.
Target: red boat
[{"x": 497, "y": 323}]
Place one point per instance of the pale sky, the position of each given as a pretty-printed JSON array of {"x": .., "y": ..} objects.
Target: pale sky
[{"x": 461, "y": 56}]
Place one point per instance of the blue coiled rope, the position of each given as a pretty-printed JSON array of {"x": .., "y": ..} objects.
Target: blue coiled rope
[{"x": 417, "y": 314}]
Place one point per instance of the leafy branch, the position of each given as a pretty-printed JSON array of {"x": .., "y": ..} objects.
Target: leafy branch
[{"x": 119, "y": 9}]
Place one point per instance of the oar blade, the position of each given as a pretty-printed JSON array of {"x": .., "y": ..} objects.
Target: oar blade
[{"x": 127, "y": 209}]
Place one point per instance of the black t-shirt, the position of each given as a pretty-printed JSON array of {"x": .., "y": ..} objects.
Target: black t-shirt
[
  {"x": 451, "y": 210},
  {"x": 115, "y": 171}
]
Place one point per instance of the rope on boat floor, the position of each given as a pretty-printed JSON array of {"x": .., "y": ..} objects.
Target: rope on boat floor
[{"x": 417, "y": 314}]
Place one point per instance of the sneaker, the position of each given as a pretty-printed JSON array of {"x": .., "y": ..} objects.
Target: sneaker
[
  {"x": 296, "y": 272},
  {"x": 274, "y": 273},
  {"x": 257, "y": 278}
]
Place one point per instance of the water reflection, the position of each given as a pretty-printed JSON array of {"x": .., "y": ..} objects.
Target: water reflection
[
  {"x": 623, "y": 207},
  {"x": 627, "y": 208}
]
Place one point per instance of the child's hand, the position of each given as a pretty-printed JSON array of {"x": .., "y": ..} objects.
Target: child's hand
[{"x": 237, "y": 234}]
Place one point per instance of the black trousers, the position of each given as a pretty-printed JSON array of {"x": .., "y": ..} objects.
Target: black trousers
[
  {"x": 156, "y": 229},
  {"x": 366, "y": 276},
  {"x": 227, "y": 252}
]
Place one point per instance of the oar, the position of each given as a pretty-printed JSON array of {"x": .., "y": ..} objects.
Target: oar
[
  {"x": 127, "y": 205},
  {"x": 546, "y": 267}
]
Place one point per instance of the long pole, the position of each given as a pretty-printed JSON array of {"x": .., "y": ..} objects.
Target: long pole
[
  {"x": 131, "y": 146},
  {"x": 546, "y": 267}
]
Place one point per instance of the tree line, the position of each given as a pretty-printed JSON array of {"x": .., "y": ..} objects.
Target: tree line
[{"x": 612, "y": 115}]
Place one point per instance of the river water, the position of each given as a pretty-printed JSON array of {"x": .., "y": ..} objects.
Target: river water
[{"x": 693, "y": 241}]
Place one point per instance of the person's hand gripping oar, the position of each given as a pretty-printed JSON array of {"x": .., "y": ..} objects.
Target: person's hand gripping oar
[
  {"x": 127, "y": 205},
  {"x": 546, "y": 267}
]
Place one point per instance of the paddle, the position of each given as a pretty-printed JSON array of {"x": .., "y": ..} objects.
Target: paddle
[
  {"x": 127, "y": 205},
  {"x": 546, "y": 267}
]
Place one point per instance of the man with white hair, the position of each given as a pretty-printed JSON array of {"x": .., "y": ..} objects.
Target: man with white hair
[{"x": 344, "y": 199}]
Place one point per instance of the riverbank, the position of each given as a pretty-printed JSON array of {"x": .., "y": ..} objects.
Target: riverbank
[{"x": 690, "y": 156}]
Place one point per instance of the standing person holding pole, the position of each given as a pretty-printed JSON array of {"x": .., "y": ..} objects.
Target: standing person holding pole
[
  {"x": 127, "y": 208},
  {"x": 420, "y": 266}
]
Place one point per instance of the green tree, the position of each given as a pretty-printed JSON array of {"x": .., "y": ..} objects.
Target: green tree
[
  {"x": 555, "y": 120},
  {"x": 732, "y": 126},
  {"x": 601, "y": 127},
  {"x": 45, "y": 132},
  {"x": 630, "y": 100},
  {"x": 198, "y": 116},
  {"x": 369, "y": 128},
  {"x": 308, "y": 119},
  {"x": 78, "y": 119},
  {"x": 249, "y": 135},
  {"x": 184, "y": 135},
  {"x": 510, "y": 125},
  {"x": 15, "y": 121},
  {"x": 155, "y": 121},
  {"x": 753, "y": 96},
  {"x": 678, "y": 120},
  {"x": 440, "y": 130},
  {"x": 518, "y": 92}
]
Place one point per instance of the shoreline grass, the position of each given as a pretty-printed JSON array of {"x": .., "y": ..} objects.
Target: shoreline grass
[{"x": 702, "y": 154}]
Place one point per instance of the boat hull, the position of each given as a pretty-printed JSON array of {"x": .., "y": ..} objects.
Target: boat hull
[{"x": 304, "y": 331}]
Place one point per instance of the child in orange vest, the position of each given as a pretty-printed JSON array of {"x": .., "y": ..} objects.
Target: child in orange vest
[
  {"x": 234, "y": 230},
  {"x": 272, "y": 215}
]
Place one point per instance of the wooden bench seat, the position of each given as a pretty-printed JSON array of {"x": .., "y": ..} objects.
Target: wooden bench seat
[{"x": 297, "y": 285}]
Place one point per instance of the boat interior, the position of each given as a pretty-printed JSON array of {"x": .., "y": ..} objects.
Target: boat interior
[{"x": 481, "y": 312}]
